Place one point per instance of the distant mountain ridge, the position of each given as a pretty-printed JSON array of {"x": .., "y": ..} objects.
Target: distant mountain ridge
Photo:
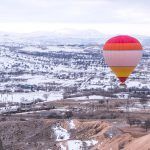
[{"x": 64, "y": 37}]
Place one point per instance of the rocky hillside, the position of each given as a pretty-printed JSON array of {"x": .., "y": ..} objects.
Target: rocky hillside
[{"x": 26, "y": 133}]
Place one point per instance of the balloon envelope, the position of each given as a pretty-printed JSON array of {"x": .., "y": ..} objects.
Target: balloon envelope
[{"x": 122, "y": 54}]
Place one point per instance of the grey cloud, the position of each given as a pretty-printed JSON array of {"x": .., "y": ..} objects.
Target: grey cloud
[{"x": 75, "y": 11}]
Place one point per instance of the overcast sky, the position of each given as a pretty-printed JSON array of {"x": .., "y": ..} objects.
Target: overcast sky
[{"x": 107, "y": 16}]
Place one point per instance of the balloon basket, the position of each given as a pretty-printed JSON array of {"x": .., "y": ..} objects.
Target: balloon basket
[{"x": 123, "y": 85}]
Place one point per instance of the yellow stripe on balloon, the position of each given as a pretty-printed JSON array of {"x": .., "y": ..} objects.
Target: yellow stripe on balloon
[{"x": 122, "y": 71}]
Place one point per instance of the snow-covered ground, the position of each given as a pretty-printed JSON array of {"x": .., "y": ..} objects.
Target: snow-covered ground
[
  {"x": 71, "y": 124},
  {"x": 138, "y": 84},
  {"x": 29, "y": 67},
  {"x": 122, "y": 95},
  {"x": 131, "y": 109},
  {"x": 31, "y": 96},
  {"x": 61, "y": 133},
  {"x": 8, "y": 109},
  {"x": 53, "y": 48},
  {"x": 63, "y": 137},
  {"x": 78, "y": 144},
  {"x": 92, "y": 97}
]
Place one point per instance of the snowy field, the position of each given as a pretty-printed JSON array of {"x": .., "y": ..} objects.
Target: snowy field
[
  {"x": 53, "y": 48},
  {"x": 92, "y": 97},
  {"x": 31, "y": 96},
  {"x": 30, "y": 67}
]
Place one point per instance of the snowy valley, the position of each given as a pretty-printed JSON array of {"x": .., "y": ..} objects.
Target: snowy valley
[{"x": 30, "y": 71}]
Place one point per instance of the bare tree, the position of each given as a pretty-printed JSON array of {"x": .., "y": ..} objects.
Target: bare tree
[
  {"x": 46, "y": 96},
  {"x": 147, "y": 125},
  {"x": 1, "y": 145},
  {"x": 101, "y": 101},
  {"x": 144, "y": 102}
]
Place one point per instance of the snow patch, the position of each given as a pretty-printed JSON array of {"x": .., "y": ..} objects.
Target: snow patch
[
  {"x": 31, "y": 96},
  {"x": 72, "y": 125},
  {"x": 62, "y": 147},
  {"x": 61, "y": 133},
  {"x": 79, "y": 145}
]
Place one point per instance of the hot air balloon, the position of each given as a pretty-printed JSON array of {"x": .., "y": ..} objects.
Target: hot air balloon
[{"x": 122, "y": 54}]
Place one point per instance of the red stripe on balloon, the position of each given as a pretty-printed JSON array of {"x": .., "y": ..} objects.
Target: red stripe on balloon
[
  {"x": 123, "y": 39},
  {"x": 122, "y": 79}
]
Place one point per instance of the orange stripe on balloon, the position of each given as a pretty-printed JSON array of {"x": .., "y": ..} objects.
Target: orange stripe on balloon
[{"x": 122, "y": 46}]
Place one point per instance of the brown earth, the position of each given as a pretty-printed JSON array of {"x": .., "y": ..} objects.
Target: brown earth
[
  {"x": 33, "y": 131},
  {"x": 142, "y": 143}
]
